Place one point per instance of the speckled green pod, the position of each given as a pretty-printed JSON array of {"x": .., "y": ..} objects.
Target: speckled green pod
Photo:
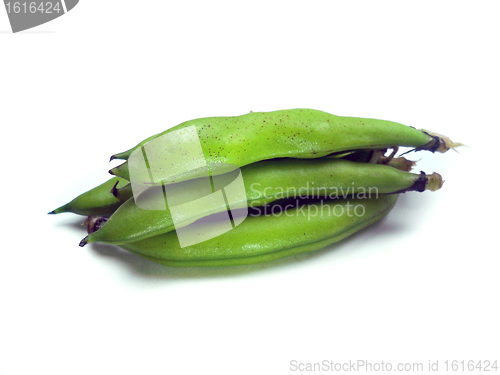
[
  {"x": 265, "y": 182},
  {"x": 264, "y": 238},
  {"x": 295, "y": 133},
  {"x": 97, "y": 201}
]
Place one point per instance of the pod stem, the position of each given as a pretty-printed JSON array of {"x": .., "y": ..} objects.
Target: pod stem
[
  {"x": 434, "y": 182},
  {"x": 440, "y": 143},
  {"x": 376, "y": 156},
  {"x": 400, "y": 163},
  {"x": 419, "y": 184},
  {"x": 424, "y": 182}
]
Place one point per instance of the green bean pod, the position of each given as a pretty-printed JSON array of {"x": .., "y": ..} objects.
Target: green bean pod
[
  {"x": 268, "y": 237},
  {"x": 294, "y": 133},
  {"x": 265, "y": 182},
  {"x": 363, "y": 156},
  {"x": 97, "y": 201}
]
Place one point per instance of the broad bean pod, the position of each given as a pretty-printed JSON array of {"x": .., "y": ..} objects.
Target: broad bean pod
[
  {"x": 265, "y": 182},
  {"x": 267, "y": 237}
]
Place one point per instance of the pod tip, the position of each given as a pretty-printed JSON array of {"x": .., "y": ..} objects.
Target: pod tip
[
  {"x": 113, "y": 157},
  {"x": 114, "y": 190},
  {"x": 83, "y": 242},
  {"x": 59, "y": 210}
]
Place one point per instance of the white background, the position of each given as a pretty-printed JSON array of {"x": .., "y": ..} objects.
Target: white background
[{"x": 421, "y": 285}]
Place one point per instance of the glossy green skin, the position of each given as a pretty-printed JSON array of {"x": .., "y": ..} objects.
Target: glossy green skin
[
  {"x": 265, "y": 182},
  {"x": 264, "y": 238},
  {"x": 125, "y": 193},
  {"x": 97, "y": 201},
  {"x": 295, "y": 133}
]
